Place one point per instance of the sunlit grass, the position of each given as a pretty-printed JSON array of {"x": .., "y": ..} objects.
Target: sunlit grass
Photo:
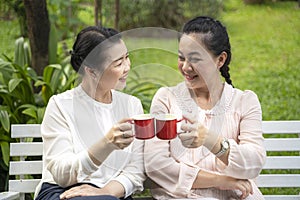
[{"x": 265, "y": 46}]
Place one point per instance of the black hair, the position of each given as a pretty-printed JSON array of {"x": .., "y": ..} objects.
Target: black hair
[
  {"x": 216, "y": 39},
  {"x": 85, "y": 44}
]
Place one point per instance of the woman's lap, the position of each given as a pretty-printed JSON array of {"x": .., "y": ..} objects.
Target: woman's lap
[{"x": 52, "y": 192}]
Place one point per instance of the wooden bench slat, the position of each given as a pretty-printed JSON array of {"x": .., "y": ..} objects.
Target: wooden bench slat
[
  {"x": 282, "y": 144},
  {"x": 270, "y": 127},
  {"x": 282, "y": 162},
  {"x": 278, "y": 180},
  {"x": 23, "y": 185},
  {"x": 24, "y": 130},
  {"x": 25, "y": 167},
  {"x": 26, "y": 149}
]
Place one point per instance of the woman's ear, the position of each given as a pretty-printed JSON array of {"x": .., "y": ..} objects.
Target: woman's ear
[
  {"x": 89, "y": 71},
  {"x": 221, "y": 59}
]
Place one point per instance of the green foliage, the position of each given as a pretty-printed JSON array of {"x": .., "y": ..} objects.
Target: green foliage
[
  {"x": 63, "y": 16},
  {"x": 24, "y": 95},
  {"x": 164, "y": 13}
]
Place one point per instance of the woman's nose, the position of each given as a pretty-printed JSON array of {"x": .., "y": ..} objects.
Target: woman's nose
[
  {"x": 186, "y": 66},
  {"x": 127, "y": 64}
]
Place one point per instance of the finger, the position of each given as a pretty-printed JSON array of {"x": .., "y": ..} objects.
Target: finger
[
  {"x": 245, "y": 188},
  {"x": 188, "y": 127},
  {"x": 186, "y": 139},
  {"x": 129, "y": 120},
  {"x": 190, "y": 117},
  {"x": 125, "y": 126},
  {"x": 124, "y": 143},
  {"x": 186, "y": 136},
  {"x": 127, "y": 134}
]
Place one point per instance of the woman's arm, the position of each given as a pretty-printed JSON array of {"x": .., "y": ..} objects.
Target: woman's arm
[
  {"x": 206, "y": 179},
  {"x": 247, "y": 155},
  {"x": 175, "y": 176}
]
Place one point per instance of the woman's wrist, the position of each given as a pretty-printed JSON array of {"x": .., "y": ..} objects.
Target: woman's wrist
[{"x": 101, "y": 150}]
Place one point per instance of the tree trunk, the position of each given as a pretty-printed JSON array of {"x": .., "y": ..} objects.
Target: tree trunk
[
  {"x": 98, "y": 12},
  {"x": 117, "y": 13},
  {"x": 38, "y": 33}
]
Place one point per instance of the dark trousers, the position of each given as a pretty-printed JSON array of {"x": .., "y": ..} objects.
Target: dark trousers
[{"x": 52, "y": 191}]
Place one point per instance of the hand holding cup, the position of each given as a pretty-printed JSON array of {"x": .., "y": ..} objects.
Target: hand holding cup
[
  {"x": 121, "y": 135},
  {"x": 194, "y": 134}
]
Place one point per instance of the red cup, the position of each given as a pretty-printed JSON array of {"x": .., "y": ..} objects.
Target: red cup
[
  {"x": 166, "y": 126},
  {"x": 144, "y": 126}
]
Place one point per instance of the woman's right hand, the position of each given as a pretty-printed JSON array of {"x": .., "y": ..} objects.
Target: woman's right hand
[
  {"x": 229, "y": 183},
  {"x": 121, "y": 134}
]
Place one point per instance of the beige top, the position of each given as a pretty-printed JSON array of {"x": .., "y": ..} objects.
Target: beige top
[{"x": 237, "y": 116}]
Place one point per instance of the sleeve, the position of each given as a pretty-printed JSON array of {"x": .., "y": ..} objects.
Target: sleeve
[
  {"x": 133, "y": 175},
  {"x": 174, "y": 176},
  {"x": 64, "y": 165},
  {"x": 247, "y": 156}
]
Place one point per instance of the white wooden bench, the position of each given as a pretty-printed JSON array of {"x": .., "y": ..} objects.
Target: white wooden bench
[{"x": 278, "y": 143}]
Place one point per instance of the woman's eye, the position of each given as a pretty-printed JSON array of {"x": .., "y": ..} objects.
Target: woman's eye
[
  {"x": 118, "y": 64},
  {"x": 194, "y": 60},
  {"x": 181, "y": 58}
]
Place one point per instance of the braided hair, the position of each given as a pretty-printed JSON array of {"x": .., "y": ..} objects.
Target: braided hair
[
  {"x": 87, "y": 45},
  {"x": 216, "y": 40}
]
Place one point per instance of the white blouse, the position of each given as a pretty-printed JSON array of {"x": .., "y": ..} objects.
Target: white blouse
[
  {"x": 174, "y": 168},
  {"x": 74, "y": 121}
]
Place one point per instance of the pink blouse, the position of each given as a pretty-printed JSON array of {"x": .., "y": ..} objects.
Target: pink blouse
[{"x": 237, "y": 116}]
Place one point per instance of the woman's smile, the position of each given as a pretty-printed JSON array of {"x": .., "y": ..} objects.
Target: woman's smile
[{"x": 190, "y": 77}]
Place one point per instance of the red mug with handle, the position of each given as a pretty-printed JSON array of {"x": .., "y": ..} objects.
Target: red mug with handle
[
  {"x": 166, "y": 126},
  {"x": 144, "y": 126}
]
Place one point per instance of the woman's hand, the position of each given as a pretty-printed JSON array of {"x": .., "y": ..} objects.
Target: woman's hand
[
  {"x": 83, "y": 190},
  {"x": 196, "y": 134},
  {"x": 242, "y": 186},
  {"x": 121, "y": 135}
]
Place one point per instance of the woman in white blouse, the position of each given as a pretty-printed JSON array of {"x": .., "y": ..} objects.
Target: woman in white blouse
[
  {"x": 89, "y": 147},
  {"x": 219, "y": 151}
]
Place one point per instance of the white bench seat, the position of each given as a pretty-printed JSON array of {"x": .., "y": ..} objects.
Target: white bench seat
[{"x": 278, "y": 141}]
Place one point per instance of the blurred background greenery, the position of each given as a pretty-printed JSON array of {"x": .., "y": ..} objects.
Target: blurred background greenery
[{"x": 265, "y": 40}]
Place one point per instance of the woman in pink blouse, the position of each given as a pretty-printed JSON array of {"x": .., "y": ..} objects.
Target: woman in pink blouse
[{"x": 219, "y": 149}]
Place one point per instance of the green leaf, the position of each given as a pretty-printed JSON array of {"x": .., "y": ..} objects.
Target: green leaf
[
  {"x": 27, "y": 53},
  {"x": 52, "y": 44},
  {"x": 19, "y": 52},
  {"x": 4, "y": 117},
  {"x": 13, "y": 83},
  {"x": 5, "y": 152},
  {"x": 30, "y": 112}
]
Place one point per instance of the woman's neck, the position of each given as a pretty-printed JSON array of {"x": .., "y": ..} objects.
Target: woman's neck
[
  {"x": 207, "y": 98},
  {"x": 96, "y": 92}
]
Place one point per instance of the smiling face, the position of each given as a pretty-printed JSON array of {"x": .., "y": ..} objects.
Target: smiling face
[
  {"x": 118, "y": 65},
  {"x": 199, "y": 66}
]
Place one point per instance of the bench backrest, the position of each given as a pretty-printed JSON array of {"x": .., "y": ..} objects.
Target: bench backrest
[{"x": 278, "y": 142}]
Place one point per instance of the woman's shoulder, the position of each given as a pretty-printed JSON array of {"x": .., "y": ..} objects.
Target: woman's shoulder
[{"x": 245, "y": 96}]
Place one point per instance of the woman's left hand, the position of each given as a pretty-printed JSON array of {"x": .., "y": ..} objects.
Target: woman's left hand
[{"x": 83, "y": 190}]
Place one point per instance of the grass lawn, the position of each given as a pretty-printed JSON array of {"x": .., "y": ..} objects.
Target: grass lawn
[{"x": 265, "y": 46}]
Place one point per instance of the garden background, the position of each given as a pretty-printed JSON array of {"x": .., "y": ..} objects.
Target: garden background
[{"x": 265, "y": 40}]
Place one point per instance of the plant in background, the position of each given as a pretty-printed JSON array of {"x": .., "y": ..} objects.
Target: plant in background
[{"x": 24, "y": 95}]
